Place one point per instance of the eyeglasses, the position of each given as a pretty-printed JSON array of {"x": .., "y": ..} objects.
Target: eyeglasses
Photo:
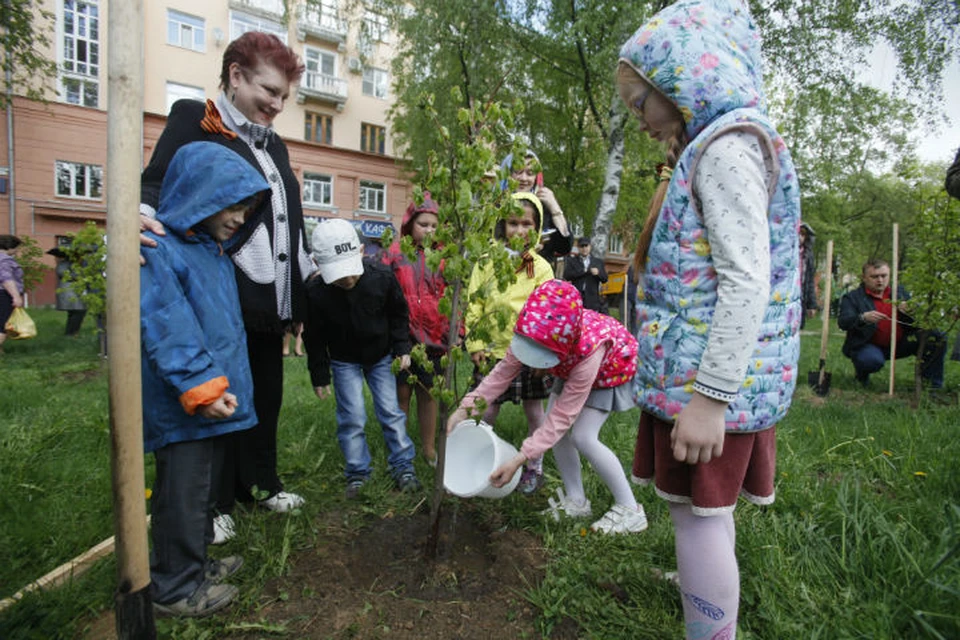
[{"x": 637, "y": 106}]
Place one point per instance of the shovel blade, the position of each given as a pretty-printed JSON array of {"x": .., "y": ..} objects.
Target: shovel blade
[{"x": 819, "y": 388}]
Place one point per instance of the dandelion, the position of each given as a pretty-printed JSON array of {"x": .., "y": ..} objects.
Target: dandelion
[
  {"x": 148, "y": 493},
  {"x": 920, "y": 474},
  {"x": 887, "y": 452},
  {"x": 583, "y": 532}
]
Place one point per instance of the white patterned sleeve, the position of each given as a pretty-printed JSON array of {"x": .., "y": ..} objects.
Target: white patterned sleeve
[{"x": 731, "y": 186}]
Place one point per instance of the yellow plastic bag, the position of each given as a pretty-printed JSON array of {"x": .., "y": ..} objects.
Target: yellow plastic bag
[{"x": 20, "y": 326}]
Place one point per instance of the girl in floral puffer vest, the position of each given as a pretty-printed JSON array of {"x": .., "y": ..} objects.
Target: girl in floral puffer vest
[
  {"x": 719, "y": 305},
  {"x": 593, "y": 359}
]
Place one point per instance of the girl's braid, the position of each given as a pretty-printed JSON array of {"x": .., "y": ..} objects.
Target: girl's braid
[{"x": 675, "y": 146}]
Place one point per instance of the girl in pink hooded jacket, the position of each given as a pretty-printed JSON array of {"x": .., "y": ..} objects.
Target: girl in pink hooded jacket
[{"x": 593, "y": 359}]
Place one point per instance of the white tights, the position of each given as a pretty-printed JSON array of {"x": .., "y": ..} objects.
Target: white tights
[
  {"x": 709, "y": 576},
  {"x": 583, "y": 437}
]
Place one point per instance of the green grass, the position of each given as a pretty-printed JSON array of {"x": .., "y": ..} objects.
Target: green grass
[{"x": 861, "y": 543}]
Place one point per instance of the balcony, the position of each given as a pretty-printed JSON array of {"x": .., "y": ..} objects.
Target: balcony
[
  {"x": 325, "y": 26},
  {"x": 318, "y": 87},
  {"x": 271, "y": 9}
]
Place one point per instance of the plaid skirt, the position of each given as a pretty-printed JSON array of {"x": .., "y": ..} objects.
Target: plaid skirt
[{"x": 528, "y": 385}]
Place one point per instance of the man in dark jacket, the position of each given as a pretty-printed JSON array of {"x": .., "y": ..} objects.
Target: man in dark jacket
[
  {"x": 953, "y": 188},
  {"x": 953, "y": 177},
  {"x": 356, "y": 325},
  {"x": 865, "y": 314},
  {"x": 587, "y": 274}
]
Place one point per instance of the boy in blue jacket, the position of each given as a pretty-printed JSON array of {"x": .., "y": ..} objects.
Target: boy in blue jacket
[{"x": 196, "y": 375}]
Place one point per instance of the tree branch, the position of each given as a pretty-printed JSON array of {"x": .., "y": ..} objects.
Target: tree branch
[{"x": 587, "y": 82}]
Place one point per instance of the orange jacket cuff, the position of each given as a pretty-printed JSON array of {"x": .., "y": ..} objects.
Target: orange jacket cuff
[{"x": 204, "y": 394}]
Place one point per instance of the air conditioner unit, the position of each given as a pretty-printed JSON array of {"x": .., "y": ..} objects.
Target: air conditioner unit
[{"x": 355, "y": 65}]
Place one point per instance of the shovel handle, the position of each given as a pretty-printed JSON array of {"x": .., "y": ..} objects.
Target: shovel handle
[{"x": 825, "y": 331}]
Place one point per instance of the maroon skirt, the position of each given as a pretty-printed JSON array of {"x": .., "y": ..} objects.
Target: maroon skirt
[{"x": 746, "y": 468}]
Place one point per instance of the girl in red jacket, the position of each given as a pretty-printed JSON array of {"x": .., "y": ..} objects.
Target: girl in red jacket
[{"x": 423, "y": 289}]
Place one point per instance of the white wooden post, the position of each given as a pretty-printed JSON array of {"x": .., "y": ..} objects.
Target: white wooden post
[{"x": 133, "y": 607}]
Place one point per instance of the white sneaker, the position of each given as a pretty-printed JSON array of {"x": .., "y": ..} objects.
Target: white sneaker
[
  {"x": 621, "y": 519},
  {"x": 223, "y": 529},
  {"x": 282, "y": 502},
  {"x": 564, "y": 504}
]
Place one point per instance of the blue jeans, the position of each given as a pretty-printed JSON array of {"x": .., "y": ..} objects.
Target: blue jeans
[
  {"x": 348, "y": 380},
  {"x": 870, "y": 358}
]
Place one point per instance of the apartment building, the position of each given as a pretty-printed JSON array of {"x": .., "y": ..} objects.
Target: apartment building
[{"x": 335, "y": 123}]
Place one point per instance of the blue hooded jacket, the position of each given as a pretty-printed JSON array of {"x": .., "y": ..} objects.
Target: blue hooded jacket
[{"x": 193, "y": 345}]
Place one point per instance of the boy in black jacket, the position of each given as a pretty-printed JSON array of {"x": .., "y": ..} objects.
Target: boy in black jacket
[{"x": 356, "y": 325}]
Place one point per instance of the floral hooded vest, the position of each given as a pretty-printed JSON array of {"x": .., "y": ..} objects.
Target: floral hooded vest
[
  {"x": 704, "y": 56},
  {"x": 554, "y": 317}
]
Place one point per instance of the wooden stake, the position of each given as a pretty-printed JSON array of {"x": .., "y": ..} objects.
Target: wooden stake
[
  {"x": 65, "y": 572},
  {"x": 894, "y": 268},
  {"x": 133, "y": 607}
]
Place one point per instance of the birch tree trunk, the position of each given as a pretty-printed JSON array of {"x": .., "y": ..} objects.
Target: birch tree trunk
[{"x": 607, "y": 205}]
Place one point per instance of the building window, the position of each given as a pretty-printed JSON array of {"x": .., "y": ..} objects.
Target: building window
[
  {"x": 185, "y": 31},
  {"x": 324, "y": 14},
  {"x": 375, "y": 26},
  {"x": 372, "y": 138},
  {"x": 318, "y": 127},
  {"x": 240, "y": 23},
  {"x": 615, "y": 244},
  {"x": 373, "y": 197},
  {"x": 177, "y": 91},
  {"x": 77, "y": 180},
  {"x": 317, "y": 189},
  {"x": 82, "y": 91},
  {"x": 319, "y": 61},
  {"x": 81, "y": 52},
  {"x": 375, "y": 82}
]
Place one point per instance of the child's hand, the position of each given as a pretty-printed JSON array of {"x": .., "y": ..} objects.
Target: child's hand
[
  {"x": 698, "y": 434},
  {"x": 222, "y": 407},
  {"x": 456, "y": 418},
  {"x": 505, "y": 472},
  {"x": 545, "y": 194},
  {"x": 478, "y": 358},
  {"x": 405, "y": 361},
  {"x": 322, "y": 392}
]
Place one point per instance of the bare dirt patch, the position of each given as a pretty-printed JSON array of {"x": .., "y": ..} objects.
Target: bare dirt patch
[{"x": 375, "y": 582}]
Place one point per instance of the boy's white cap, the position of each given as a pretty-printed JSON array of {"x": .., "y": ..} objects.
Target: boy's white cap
[
  {"x": 532, "y": 353},
  {"x": 337, "y": 250}
]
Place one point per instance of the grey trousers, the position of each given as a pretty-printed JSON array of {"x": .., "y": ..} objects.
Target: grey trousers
[{"x": 182, "y": 516}]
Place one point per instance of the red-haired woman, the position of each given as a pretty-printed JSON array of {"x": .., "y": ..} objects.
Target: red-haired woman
[{"x": 271, "y": 262}]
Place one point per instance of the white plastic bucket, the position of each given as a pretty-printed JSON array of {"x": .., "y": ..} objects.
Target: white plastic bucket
[{"x": 474, "y": 451}]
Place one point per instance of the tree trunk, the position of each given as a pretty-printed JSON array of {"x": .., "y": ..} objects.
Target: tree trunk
[
  {"x": 433, "y": 538},
  {"x": 611, "y": 181}
]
